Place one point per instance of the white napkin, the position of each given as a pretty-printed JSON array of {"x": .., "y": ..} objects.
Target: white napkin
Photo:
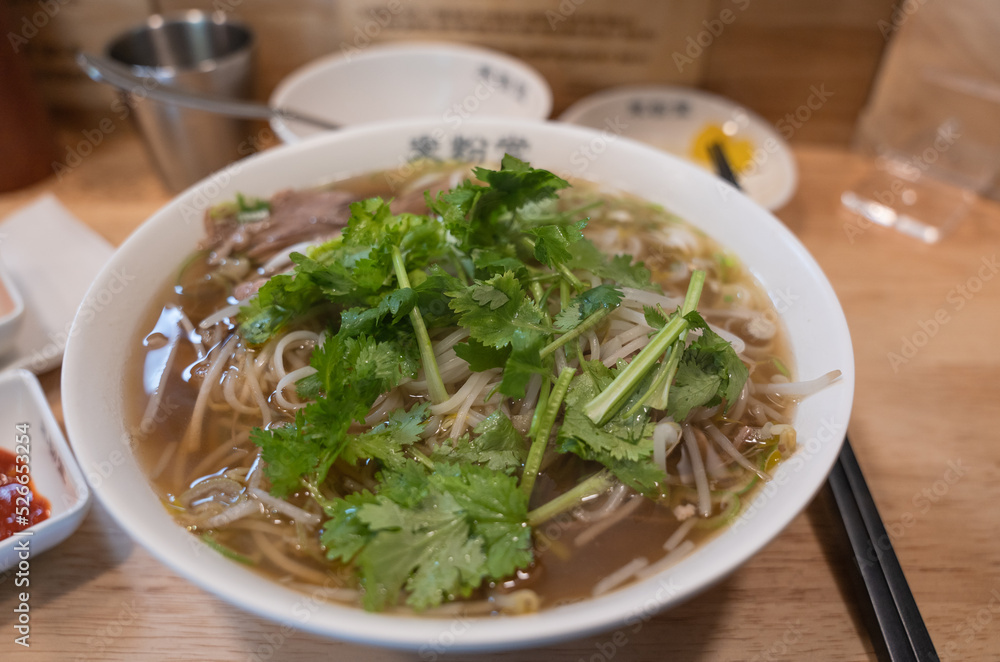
[{"x": 52, "y": 258}]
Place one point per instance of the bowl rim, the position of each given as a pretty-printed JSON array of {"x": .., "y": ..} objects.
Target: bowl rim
[
  {"x": 396, "y": 49},
  {"x": 217, "y": 575}
]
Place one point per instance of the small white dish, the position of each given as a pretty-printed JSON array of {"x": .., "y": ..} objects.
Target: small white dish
[
  {"x": 24, "y": 412},
  {"x": 51, "y": 258},
  {"x": 671, "y": 119},
  {"x": 448, "y": 82},
  {"x": 11, "y": 312}
]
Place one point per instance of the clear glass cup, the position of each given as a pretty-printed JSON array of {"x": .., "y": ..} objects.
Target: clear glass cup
[{"x": 935, "y": 148}]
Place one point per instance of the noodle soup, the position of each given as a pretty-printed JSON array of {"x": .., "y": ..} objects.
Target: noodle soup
[{"x": 212, "y": 390}]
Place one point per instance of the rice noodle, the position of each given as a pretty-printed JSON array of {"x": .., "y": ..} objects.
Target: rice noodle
[
  {"x": 765, "y": 410},
  {"x": 472, "y": 386},
  {"x": 384, "y": 406},
  {"x": 530, "y": 394},
  {"x": 231, "y": 514},
  {"x": 560, "y": 360},
  {"x": 459, "y": 425},
  {"x": 284, "y": 257},
  {"x": 192, "y": 334},
  {"x": 799, "y": 389},
  {"x": 229, "y": 380},
  {"x": 615, "y": 496},
  {"x": 164, "y": 461},
  {"x": 449, "y": 341},
  {"x": 680, "y": 533},
  {"x": 192, "y": 439},
  {"x": 256, "y": 473},
  {"x": 620, "y": 576},
  {"x": 646, "y": 298},
  {"x": 213, "y": 459},
  {"x": 290, "y": 379},
  {"x": 631, "y": 315},
  {"x": 603, "y": 525},
  {"x": 221, "y": 314},
  {"x": 666, "y": 436},
  {"x": 595, "y": 345},
  {"x": 668, "y": 560},
  {"x": 287, "y": 339},
  {"x": 722, "y": 442},
  {"x": 521, "y": 601},
  {"x": 282, "y": 506},
  {"x": 626, "y": 350},
  {"x": 278, "y": 558},
  {"x": 698, "y": 469},
  {"x": 258, "y": 394},
  {"x": 740, "y": 406},
  {"x": 715, "y": 467}
]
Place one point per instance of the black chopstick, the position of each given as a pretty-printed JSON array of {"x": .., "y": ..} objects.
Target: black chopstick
[
  {"x": 892, "y": 617},
  {"x": 722, "y": 165}
]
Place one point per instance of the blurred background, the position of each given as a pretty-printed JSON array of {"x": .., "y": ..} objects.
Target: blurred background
[
  {"x": 831, "y": 73},
  {"x": 765, "y": 54}
]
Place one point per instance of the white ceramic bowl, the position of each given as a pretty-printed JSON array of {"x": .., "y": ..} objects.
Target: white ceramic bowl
[
  {"x": 96, "y": 360},
  {"x": 449, "y": 82},
  {"x": 670, "y": 117},
  {"x": 27, "y": 424}
]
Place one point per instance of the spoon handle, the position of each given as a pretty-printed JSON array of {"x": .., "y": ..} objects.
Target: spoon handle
[{"x": 106, "y": 71}]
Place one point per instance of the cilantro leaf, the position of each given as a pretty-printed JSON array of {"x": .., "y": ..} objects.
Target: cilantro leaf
[
  {"x": 552, "y": 242},
  {"x": 619, "y": 268},
  {"x": 385, "y": 441},
  {"x": 481, "y": 357},
  {"x": 366, "y": 320},
  {"x": 495, "y": 443},
  {"x": 497, "y": 510},
  {"x": 344, "y": 535},
  {"x": 438, "y": 538},
  {"x": 483, "y": 216},
  {"x": 584, "y": 305},
  {"x": 494, "y": 309},
  {"x": 288, "y": 455},
  {"x": 350, "y": 375},
  {"x": 525, "y": 361},
  {"x": 624, "y": 444},
  {"x": 515, "y": 185},
  {"x": 655, "y": 317},
  {"x": 709, "y": 371}
]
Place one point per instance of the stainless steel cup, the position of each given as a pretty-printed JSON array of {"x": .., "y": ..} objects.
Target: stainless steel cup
[{"x": 196, "y": 51}]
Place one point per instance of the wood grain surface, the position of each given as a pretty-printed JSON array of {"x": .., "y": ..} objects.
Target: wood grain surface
[{"x": 100, "y": 596}]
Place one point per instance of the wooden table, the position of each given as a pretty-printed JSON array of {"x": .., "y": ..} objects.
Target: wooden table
[{"x": 925, "y": 431}]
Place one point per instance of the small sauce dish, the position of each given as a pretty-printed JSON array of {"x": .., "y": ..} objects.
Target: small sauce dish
[{"x": 30, "y": 434}]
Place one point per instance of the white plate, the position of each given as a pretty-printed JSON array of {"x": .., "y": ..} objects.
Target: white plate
[
  {"x": 53, "y": 470},
  {"x": 449, "y": 82},
  {"x": 51, "y": 259},
  {"x": 670, "y": 118},
  {"x": 98, "y": 351}
]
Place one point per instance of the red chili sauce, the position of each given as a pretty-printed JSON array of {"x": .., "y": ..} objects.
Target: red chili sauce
[{"x": 13, "y": 498}]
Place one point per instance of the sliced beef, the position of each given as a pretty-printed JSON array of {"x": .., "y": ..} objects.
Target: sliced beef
[{"x": 295, "y": 216}]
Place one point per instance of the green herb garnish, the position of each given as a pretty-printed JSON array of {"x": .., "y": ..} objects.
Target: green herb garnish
[{"x": 498, "y": 258}]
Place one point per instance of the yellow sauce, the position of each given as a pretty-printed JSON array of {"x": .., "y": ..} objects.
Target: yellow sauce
[{"x": 738, "y": 150}]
